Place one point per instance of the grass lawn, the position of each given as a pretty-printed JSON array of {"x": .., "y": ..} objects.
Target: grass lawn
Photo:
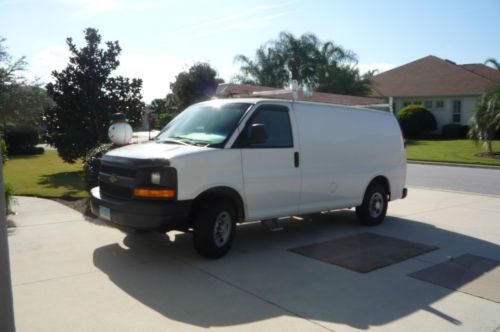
[
  {"x": 45, "y": 175},
  {"x": 453, "y": 151}
]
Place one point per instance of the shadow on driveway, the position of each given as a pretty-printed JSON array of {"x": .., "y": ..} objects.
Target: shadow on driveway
[{"x": 259, "y": 279}]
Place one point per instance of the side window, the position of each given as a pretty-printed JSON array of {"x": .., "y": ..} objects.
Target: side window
[
  {"x": 276, "y": 120},
  {"x": 457, "y": 111}
]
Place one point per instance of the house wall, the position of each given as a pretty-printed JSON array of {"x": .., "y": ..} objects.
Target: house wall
[{"x": 444, "y": 115}]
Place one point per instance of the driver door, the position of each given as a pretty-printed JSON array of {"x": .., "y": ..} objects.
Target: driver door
[{"x": 271, "y": 173}]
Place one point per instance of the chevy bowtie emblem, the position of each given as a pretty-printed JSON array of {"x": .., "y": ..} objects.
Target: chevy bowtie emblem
[{"x": 112, "y": 178}]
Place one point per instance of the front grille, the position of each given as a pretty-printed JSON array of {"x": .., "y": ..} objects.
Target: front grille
[
  {"x": 120, "y": 171},
  {"x": 116, "y": 191}
]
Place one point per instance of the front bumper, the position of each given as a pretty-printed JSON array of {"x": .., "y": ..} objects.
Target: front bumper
[{"x": 141, "y": 214}]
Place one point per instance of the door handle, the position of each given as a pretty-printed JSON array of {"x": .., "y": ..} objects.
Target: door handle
[{"x": 296, "y": 160}]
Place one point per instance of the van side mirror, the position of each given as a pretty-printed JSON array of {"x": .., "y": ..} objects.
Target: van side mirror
[{"x": 258, "y": 134}]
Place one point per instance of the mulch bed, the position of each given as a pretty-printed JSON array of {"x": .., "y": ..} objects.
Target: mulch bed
[{"x": 494, "y": 155}]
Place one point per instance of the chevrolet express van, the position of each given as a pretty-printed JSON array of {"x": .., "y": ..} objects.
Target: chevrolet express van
[{"x": 223, "y": 162}]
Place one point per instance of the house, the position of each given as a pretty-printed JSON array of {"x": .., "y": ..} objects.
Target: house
[
  {"x": 230, "y": 90},
  {"x": 450, "y": 91}
]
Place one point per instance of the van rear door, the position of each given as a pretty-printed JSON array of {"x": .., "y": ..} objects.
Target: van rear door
[{"x": 271, "y": 174}]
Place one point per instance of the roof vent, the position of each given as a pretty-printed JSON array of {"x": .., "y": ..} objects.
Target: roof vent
[{"x": 453, "y": 63}]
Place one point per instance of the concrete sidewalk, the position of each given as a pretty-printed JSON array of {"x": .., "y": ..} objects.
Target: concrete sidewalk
[{"x": 75, "y": 274}]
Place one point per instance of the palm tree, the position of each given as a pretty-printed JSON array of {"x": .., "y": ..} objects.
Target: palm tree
[
  {"x": 486, "y": 119},
  {"x": 268, "y": 68},
  {"x": 493, "y": 62},
  {"x": 322, "y": 66}
]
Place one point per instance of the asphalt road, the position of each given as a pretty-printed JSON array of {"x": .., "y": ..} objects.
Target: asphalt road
[{"x": 478, "y": 180}]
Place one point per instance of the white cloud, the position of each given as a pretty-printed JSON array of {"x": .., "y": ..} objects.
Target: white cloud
[
  {"x": 90, "y": 7},
  {"x": 249, "y": 17},
  {"x": 380, "y": 67}
]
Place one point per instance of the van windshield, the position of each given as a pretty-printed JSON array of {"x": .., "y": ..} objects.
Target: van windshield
[{"x": 203, "y": 124}]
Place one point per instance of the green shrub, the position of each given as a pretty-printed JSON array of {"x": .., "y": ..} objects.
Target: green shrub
[
  {"x": 463, "y": 131},
  {"x": 92, "y": 164},
  {"x": 161, "y": 120},
  {"x": 22, "y": 140},
  {"x": 452, "y": 130},
  {"x": 3, "y": 148},
  {"x": 9, "y": 197},
  {"x": 415, "y": 120}
]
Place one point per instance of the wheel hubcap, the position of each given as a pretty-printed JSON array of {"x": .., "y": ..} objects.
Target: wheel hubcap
[
  {"x": 376, "y": 205},
  {"x": 222, "y": 229}
]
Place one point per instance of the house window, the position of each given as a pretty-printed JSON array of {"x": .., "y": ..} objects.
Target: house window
[
  {"x": 406, "y": 103},
  {"x": 439, "y": 104},
  {"x": 457, "y": 111},
  {"x": 428, "y": 104},
  {"x": 417, "y": 102}
]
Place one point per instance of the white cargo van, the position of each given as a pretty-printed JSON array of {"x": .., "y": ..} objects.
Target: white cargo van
[{"x": 223, "y": 162}]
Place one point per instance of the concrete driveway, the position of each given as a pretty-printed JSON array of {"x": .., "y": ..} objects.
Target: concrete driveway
[{"x": 75, "y": 274}]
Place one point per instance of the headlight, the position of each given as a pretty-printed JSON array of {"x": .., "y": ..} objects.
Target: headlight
[{"x": 156, "y": 178}]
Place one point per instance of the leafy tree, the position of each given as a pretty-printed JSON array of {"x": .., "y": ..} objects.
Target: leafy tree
[
  {"x": 9, "y": 69},
  {"x": 23, "y": 105},
  {"x": 197, "y": 84},
  {"x": 325, "y": 67},
  {"x": 171, "y": 102},
  {"x": 158, "y": 106},
  {"x": 86, "y": 96},
  {"x": 493, "y": 62},
  {"x": 9, "y": 80},
  {"x": 162, "y": 111},
  {"x": 161, "y": 120},
  {"x": 485, "y": 121}
]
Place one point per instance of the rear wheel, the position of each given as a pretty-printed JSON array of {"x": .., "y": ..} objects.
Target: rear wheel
[
  {"x": 374, "y": 208},
  {"x": 214, "y": 228}
]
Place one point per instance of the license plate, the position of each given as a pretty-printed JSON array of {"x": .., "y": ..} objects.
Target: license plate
[{"x": 104, "y": 212}]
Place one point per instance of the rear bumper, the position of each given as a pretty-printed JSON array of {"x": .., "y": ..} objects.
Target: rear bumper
[{"x": 142, "y": 214}]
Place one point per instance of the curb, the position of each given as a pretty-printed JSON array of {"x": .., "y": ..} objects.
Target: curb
[{"x": 439, "y": 163}]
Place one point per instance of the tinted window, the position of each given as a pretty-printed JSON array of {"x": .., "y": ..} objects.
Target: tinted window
[{"x": 277, "y": 123}]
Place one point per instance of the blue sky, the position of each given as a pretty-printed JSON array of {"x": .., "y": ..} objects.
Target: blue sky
[{"x": 159, "y": 38}]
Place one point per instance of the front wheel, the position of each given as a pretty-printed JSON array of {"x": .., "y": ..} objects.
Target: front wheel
[
  {"x": 214, "y": 228},
  {"x": 374, "y": 208}
]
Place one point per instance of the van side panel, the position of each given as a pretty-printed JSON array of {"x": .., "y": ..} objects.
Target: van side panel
[{"x": 342, "y": 149}]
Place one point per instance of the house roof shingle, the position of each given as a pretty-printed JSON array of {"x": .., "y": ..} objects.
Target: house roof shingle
[
  {"x": 432, "y": 76},
  {"x": 246, "y": 90}
]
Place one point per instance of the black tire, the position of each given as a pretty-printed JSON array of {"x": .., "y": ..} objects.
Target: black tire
[
  {"x": 374, "y": 208},
  {"x": 214, "y": 228}
]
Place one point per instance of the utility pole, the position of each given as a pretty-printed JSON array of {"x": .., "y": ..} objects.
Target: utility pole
[{"x": 6, "y": 304}]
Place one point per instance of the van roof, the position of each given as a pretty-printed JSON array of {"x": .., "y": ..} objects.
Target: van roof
[{"x": 288, "y": 101}]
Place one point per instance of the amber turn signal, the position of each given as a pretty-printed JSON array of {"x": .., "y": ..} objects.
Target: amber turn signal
[{"x": 154, "y": 193}]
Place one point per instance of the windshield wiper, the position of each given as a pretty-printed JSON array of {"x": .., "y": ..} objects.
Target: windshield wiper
[{"x": 184, "y": 141}]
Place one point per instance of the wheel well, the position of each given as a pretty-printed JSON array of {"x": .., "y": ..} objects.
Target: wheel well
[
  {"x": 220, "y": 192},
  {"x": 382, "y": 180}
]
